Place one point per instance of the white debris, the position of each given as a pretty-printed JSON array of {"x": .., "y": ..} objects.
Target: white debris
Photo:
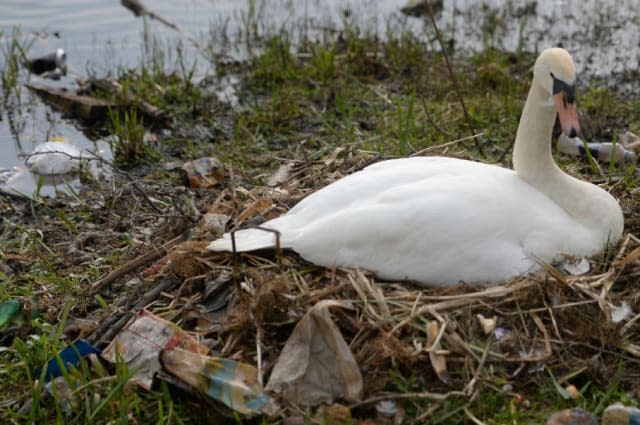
[
  {"x": 618, "y": 314},
  {"x": 575, "y": 266},
  {"x": 54, "y": 158},
  {"x": 599, "y": 151}
]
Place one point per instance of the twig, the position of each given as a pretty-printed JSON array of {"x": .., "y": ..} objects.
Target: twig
[
  {"x": 453, "y": 76},
  {"x": 401, "y": 396},
  {"x": 137, "y": 262},
  {"x": 444, "y": 145},
  {"x": 473, "y": 418},
  {"x": 259, "y": 352},
  {"x": 507, "y": 150},
  {"x": 429, "y": 117},
  {"x": 112, "y": 325}
]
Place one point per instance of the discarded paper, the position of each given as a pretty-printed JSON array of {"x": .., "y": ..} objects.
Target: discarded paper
[{"x": 142, "y": 339}]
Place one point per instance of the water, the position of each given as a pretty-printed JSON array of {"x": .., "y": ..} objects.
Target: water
[{"x": 101, "y": 37}]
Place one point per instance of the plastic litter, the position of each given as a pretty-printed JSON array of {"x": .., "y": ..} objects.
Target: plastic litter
[
  {"x": 54, "y": 158},
  {"x": 59, "y": 389},
  {"x": 600, "y": 151},
  {"x": 233, "y": 383},
  {"x": 9, "y": 310},
  {"x": 630, "y": 140},
  {"x": 618, "y": 314},
  {"x": 70, "y": 357},
  {"x": 316, "y": 365},
  {"x": 142, "y": 339},
  {"x": 54, "y": 61},
  {"x": 17, "y": 181},
  {"x": 618, "y": 414},
  {"x": 18, "y": 312},
  {"x": 575, "y": 416}
]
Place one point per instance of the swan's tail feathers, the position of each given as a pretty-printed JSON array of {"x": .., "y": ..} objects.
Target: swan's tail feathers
[{"x": 247, "y": 240}]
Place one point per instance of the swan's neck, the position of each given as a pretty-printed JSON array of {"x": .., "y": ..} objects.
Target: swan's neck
[
  {"x": 533, "y": 161},
  {"x": 532, "y": 157}
]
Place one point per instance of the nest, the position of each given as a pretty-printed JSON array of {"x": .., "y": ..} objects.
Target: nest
[{"x": 458, "y": 340}]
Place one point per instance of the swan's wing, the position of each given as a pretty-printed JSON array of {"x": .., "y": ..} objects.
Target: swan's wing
[
  {"x": 349, "y": 192},
  {"x": 439, "y": 229},
  {"x": 381, "y": 177}
]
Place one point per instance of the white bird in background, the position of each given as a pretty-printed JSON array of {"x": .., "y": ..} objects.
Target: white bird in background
[{"x": 439, "y": 221}]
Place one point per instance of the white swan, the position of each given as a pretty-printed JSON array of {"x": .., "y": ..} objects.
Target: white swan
[{"x": 439, "y": 220}]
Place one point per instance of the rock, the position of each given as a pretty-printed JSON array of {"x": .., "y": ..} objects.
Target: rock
[
  {"x": 204, "y": 172},
  {"x": 214, "y": 224}
]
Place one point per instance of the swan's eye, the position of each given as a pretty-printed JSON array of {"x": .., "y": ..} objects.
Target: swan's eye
[{"x": 561, "y": 86}]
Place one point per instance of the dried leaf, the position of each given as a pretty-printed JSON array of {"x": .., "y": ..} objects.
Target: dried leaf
[
  {"x": 438, "y": 361},
  {"x": 331, "y": 158},
  {"x": 281, "y": 175},
  {"x": 316, "y": 365},
  {"x": 488, "y": 324},
  {"x": 259, "y": 206}
]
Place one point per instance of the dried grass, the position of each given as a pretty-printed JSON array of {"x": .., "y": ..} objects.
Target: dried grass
[{"x": 547, "y": 320}]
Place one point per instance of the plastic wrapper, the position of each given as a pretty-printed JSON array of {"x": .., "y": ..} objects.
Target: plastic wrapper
[
  {"x": 233, "y": 383},
  {"x": 52, "y": 158}
]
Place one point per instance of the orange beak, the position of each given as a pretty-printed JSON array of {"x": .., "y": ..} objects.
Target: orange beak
[{"x": 568, "y": 115}]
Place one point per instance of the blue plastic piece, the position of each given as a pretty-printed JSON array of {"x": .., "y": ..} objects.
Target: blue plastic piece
[{"x": 70, "y": 357}]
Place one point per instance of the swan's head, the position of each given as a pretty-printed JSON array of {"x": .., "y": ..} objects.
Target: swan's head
[{"x": 555, "y": 72}]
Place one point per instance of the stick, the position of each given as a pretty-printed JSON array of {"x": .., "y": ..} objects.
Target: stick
[
  {"x": 444, "y": 145},
  {"x": 453, "y": 76},
  {"x": 112, "y": 327},
  {"x": 136, "y": 263}
]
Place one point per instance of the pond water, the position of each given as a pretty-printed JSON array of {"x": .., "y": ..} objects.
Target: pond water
[{"x": 101, "y": 37}]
